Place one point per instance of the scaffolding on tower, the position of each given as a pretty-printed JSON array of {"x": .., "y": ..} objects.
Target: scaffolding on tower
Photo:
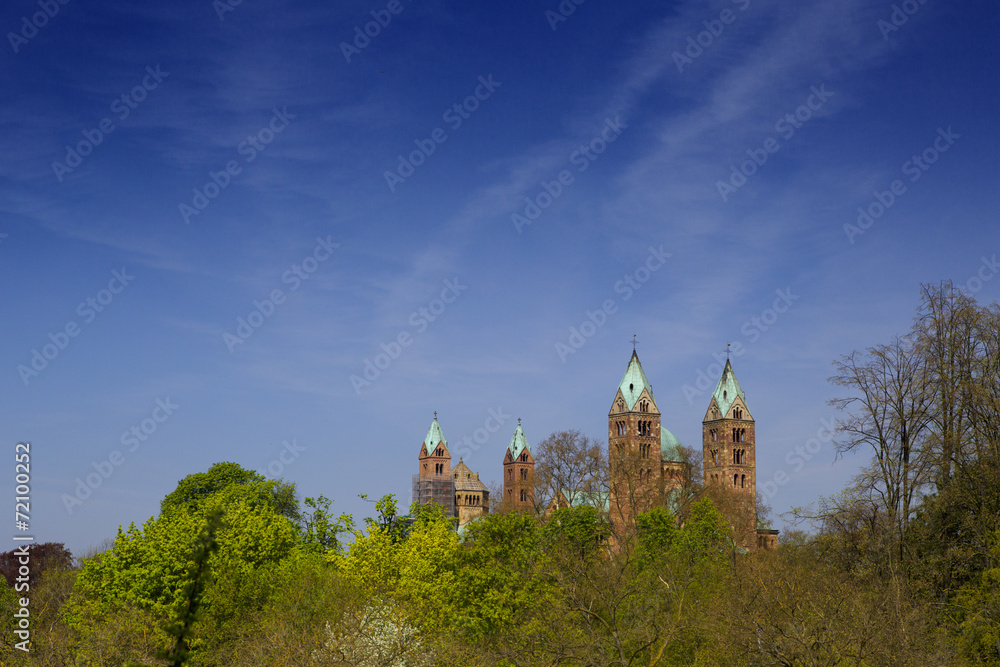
[{"x": 437, "y": 489}]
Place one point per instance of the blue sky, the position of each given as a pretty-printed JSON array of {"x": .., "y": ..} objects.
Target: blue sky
[{"x": 227, "y": 160}]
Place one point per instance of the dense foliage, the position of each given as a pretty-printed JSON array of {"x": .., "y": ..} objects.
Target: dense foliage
[{"x": 902, "y": 567}]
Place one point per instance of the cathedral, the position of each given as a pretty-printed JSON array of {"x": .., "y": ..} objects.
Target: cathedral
[{"x": 647, "y": 464}]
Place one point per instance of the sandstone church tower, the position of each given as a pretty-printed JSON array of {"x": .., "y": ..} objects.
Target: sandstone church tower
[
  {"x": 633, "y": 445},
  {"x": 519, "y": 473},
  {"x": 457, "y": 490},
  {"x": 730, "y": 459},
  {"x": 644, "y": 457},
  {"x": 433, "y": 483}
]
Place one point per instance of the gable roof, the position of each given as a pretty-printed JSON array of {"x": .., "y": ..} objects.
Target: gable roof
[
  {"x": 434, "y": 438},
  {"x": 518, "y": 443},
  {"x": 466, "y": 480},
  {"x": 727, "y": 390},
  {"x": 633, "y": 382}
]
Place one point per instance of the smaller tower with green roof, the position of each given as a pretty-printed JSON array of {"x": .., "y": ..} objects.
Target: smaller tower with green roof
[
  {"x": 519, "y": 473},
  {"x": 433, "y": 483}
]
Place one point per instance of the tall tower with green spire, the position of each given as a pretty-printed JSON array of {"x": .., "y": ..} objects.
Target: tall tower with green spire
[
  {"x": 519, "y": 473},
  {"x": 634, "y": 446},
  {"x": 729, "y": 453}
]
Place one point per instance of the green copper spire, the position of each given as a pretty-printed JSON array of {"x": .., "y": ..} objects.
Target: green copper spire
[
  {"x": 518, "y": 443},
  {"x": 634, "y": 381},
  {"x": 435, "y": 437},
  {"x": 727, "y": 390}
]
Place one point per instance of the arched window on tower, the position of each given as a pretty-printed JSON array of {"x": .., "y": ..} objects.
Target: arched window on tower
[
  {"x": 736, "y": 479},
  {"x": 524, "y": 474},
  {"x": 743, "y": 481},
  {"x": 524, "y": 495}
]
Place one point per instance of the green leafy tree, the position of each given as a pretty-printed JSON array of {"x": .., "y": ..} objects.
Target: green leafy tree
[
  {"x": 978, "y": 605},
  {"x": 581, "y": 531},
  {"x": 147, "y": 575},
  {"x": 499, "y": 581},
  {"x": 320, "y": 531},
  {"x": 199, "y": 575},
  {"x": 231, "y": 478}
]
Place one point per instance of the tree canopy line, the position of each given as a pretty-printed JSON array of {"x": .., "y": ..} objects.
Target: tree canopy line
[{"x": 900, "y": 568}]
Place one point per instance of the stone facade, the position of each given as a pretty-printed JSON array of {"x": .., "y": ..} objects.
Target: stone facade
[{"x": 472, "y": 498}]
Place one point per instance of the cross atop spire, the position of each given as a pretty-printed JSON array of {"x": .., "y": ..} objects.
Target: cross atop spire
[
  {"x": 728, "y": 345},
  {"x": 634, "y": 342}
]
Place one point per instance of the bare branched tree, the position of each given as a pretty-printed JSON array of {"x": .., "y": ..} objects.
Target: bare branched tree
[
  {"x": 889, "y": 414},
  {"x": 571, "y": 464}
]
